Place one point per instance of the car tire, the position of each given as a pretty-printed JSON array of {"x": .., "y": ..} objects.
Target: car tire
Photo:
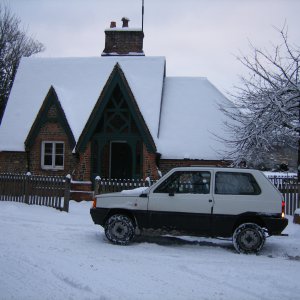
[
  {"x": 119, "y": 229},
  {"x": 248, "y": 238}
]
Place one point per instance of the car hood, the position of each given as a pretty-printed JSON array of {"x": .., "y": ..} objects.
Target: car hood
[{"x": 126, "y": 193}]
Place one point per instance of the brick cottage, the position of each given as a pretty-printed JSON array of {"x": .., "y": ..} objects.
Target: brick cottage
[{"x": 116, "y": 116}]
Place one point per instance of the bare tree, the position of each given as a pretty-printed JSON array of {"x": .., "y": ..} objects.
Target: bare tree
[
  {"x": 264, "y": 113},
  {"x": 14, "y": 43}
]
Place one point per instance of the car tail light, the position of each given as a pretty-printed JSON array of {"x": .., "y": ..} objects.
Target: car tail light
[
  {"x": 94, "y": 203},
  {"x": 282, "y": 209}
]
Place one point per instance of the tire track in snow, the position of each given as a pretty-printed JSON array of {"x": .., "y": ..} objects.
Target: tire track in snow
[
  {"x": 216, "y": 281},
  {"x": 71, "y": 282}
]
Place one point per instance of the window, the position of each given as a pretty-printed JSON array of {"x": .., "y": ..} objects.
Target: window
[
  {"x": 231, "y": 183},
  {"x": 53, "y": 155},
  {"x": 186, "y": 182}
]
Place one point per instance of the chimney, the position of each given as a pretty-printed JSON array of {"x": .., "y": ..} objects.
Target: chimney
[
  {"x": 123, "y": 41},
  {"x": 125, "y": 22}
]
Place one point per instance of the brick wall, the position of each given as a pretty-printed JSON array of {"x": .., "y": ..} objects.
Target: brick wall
[
  {"x": 83, "y": 165},
  {"x": 51, "y": 131},
  {"x": 149, "y": 164},
  {"x": 13, "y": 162}
]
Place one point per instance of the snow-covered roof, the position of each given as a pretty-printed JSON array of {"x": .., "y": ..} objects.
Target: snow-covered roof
[
  {"x": 181, "y": 113},
  {"x": 78, "y": 83},
  {"x": 190, "y": 119}
]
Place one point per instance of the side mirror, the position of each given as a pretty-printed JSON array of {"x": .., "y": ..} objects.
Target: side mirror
[{"x": 143, "y": 195}]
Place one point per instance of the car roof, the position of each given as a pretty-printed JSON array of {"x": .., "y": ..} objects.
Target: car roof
[{"x": 222, "y": 169}]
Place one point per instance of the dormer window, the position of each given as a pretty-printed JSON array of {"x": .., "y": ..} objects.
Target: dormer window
[{"x": 52, "y": 157}]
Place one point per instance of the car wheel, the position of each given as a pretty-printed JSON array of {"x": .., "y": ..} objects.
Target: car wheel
[
  {"x": 119, "y": 229},
  {"x": 248, "y": 238}
]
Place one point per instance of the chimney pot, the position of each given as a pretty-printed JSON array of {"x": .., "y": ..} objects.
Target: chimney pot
[
  {"x": 113, "y": 24},
  {"x": 125, "y": 22}
]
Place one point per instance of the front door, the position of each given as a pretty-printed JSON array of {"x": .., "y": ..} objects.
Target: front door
[
  {"x": 182, "y": 202},
  {"x": 120, "y": 160}
]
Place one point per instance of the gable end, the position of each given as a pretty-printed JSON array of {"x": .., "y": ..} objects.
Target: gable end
[
  {"x": 50, "y": 111},
  {"x": 116, "y": 78}
]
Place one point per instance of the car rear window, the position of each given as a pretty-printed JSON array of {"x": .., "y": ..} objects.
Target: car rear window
[{"x": 234, "y": 183}]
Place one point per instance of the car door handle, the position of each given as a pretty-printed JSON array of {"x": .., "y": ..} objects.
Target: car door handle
[{"x": 210, "y": 200}]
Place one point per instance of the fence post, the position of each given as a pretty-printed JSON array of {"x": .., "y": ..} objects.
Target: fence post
[
  {"x": 67, "y": 193},
  {"x": 97, "y": 185},
  {"x": 27, "y": 187},
  {"x": 298, "y": 194},
  {"x": 147, "y": 181}
]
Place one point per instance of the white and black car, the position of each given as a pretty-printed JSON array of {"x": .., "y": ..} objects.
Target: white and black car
[{"x": 201, "y": 201}]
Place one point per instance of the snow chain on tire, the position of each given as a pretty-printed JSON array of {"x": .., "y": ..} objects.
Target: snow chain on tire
[
  {"x": 119, "y": 229},
  {"x": 248, "y": 238}
]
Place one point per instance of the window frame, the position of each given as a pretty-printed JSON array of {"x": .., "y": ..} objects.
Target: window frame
[
  {"x": 253, "y": 182},
  {"x": 175, "y": 176},
  {"x": 53, "y": 156}
]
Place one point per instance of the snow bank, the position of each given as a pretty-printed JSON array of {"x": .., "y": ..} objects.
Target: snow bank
[{"x": 297, "y": 211}]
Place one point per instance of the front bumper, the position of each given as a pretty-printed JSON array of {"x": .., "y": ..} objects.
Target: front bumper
[{"x": 99, "y": 215}]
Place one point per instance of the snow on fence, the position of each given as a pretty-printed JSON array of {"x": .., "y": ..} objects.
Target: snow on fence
[
  {"x": 52, "y": 191},
  {"x": 105, "y": 185},
  {"x": 288, "y": 186}
]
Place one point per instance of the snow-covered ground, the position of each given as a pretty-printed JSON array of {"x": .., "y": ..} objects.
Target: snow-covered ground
[{"x": 48, "y": 254}]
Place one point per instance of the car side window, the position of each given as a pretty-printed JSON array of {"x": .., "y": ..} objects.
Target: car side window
[
  {"x": 186, "y": 182},
  {"x": 233, "y": 183}
]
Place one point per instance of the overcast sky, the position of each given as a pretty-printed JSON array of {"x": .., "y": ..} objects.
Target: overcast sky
[{"x": 197, "y": 37}]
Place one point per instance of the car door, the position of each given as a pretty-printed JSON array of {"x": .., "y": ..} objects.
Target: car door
[
  {"x": 236, "y": 193},
  {"x": 182, "y": 202}
]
